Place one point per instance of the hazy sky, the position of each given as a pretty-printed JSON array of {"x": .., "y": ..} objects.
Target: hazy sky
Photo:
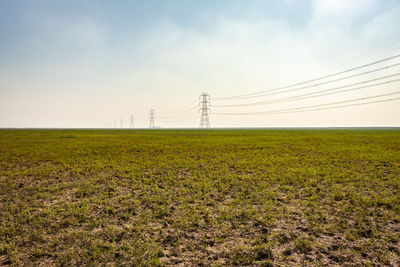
[{"x": 90, "y": 63}]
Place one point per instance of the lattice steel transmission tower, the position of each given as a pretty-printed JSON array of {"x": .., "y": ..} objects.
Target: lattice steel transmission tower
[
  {"x": 152, "y": 125},
  {"x": 205, "y": 110},
  {"x": 121, "y": 123},
  {"x": 132, "y": 125}
]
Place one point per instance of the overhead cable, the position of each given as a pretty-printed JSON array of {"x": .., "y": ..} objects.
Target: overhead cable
[
  {"x": 307, "y": 107},
  {"x": 257, "y": 94}
]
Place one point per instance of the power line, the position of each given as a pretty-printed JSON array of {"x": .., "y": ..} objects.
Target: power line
[
  {"x": 317, "y": 93},
  {"x": 308, "y": 107},
  {"x": 337, "y": 92},
  {"x": 386, "y": 48},
  {"x": 348, "y": 105},
  {"x": 183, "y": 112},
  {"x": 189, "y": 118},
  {"x": 178, "y": 109},
  {"x": 180, "y": 118},
  {"x": 256, "y": 94},
  {"x": 332, "y": 81}
]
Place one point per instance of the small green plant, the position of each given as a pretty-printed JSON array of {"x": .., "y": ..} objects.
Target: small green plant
[{"x": 187, "y": 197}]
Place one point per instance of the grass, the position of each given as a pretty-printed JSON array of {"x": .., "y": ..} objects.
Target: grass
[{"x": 218, "y": 197}]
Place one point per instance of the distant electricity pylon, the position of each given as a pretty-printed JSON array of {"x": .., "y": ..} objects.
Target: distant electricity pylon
[
  {"x": 121, "y": 123},
  {"x": 204, "y": 108},
  {"x": 132, "y": 125},
  {"x": 115, "y": 124},
  {"x": 152, "y": 125}
]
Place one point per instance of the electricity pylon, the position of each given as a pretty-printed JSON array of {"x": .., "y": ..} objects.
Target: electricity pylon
[
  {"x": 115, "y": 124},
  {"x": 121, "y": 123},
  {"x": 132, "y": 125},
  {"x": 205, "y": 110},
  {"x": 152, "y": 125}
]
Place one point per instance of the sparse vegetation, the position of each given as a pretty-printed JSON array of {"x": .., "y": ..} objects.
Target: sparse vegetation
[{"x": 223, "y": 197}]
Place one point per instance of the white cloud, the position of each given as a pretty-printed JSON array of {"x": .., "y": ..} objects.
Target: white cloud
[{"x": 343, "y": 10}]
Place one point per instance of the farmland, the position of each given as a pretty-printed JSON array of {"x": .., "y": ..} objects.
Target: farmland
[{"x": 222, "y": 197}]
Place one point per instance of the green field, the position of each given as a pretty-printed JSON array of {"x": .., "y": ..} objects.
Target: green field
[{"x": 222, "y": 197}]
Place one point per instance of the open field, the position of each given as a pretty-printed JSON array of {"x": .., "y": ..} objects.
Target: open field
[{"x": 223, "y": 197}]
